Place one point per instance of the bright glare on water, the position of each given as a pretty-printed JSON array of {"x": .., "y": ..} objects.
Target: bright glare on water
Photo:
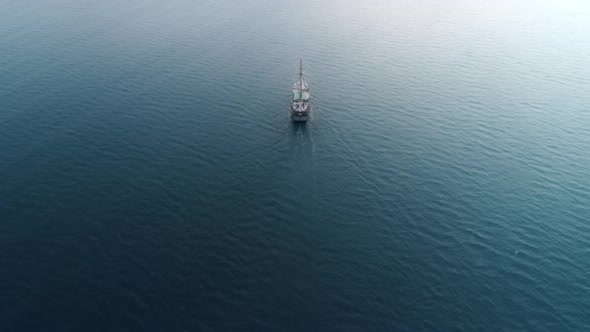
[{"x": 151, "y": 179}]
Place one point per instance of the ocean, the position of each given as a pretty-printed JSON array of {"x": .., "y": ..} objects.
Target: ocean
[{"x": 152, "y": 180}]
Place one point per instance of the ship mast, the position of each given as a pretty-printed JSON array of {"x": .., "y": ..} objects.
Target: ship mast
[
  {"x": 301, "y": 70},
  {"x": 301, "y": 79}
]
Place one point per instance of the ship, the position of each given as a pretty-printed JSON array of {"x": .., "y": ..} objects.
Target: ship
[{"x": 301, "y": 107}]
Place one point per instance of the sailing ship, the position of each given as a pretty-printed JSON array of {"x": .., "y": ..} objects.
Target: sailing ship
[{"x": 301, "y": 106}]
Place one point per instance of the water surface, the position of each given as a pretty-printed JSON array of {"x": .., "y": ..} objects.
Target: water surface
[{"x": 150, "y": 178}]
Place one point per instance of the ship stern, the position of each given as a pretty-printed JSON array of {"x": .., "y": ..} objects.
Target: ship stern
[{"x": 300, "y": 114}]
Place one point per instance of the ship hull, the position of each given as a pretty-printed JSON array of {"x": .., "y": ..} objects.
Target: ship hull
[
  {"x": 301, "y": 106},
  {"x": 300, "y": 116}
]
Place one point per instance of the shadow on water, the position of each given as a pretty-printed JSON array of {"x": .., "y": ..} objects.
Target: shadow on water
[
  {"x": 301, "y": 137},
  {"x": 302, "y": 159},
  {"x": 299, "y": 127}
]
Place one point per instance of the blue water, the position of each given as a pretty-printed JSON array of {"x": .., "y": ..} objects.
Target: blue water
[{"x": 151, "y": 180}]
